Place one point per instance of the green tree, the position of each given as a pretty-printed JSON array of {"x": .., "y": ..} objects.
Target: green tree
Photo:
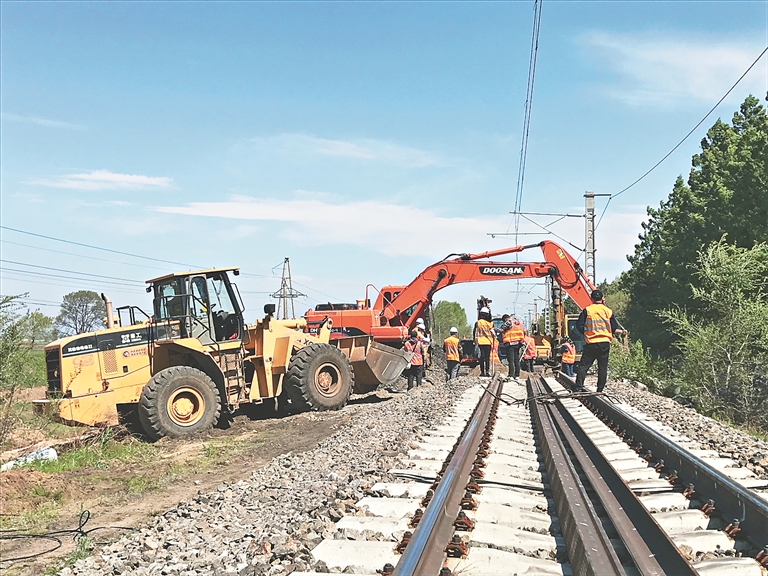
[
  {"x": 37, "y": 328},
  {"x": 724, "y": 345},
  {"x": 444, "y": 316},
  {"x": 726, "y": 194},
  {"x": 81, "y": 311},
  {"x": 16, "y": 368}
]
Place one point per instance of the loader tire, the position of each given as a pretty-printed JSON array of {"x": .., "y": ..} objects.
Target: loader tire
[
  {"x": 319, "y": 377},
  {"x": 179, "y": 401}
]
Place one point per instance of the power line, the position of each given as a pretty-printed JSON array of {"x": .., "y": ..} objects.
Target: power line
[
  {"x": 528, "y": 106},
  {"x": 95, "y": 247},
  {"x": 139, "y": 282},
  {"x": 668, "y": 154},
  {"x": 73, "y": 243},
  {"x": 3, "y": 241}
]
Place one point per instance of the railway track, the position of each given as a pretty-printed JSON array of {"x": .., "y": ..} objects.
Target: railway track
[{"x": 533, "y": 479}]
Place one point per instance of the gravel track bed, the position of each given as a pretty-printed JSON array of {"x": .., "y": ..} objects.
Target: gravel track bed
[
  {"x": 744, "y": 449},
  {"x": 268, "y": 524}
]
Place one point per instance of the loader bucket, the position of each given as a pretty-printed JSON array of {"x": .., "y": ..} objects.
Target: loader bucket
[{"x": 373, "y": 364}]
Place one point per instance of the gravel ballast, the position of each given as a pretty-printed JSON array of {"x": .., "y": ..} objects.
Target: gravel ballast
[{"x": 268, "y": 525}]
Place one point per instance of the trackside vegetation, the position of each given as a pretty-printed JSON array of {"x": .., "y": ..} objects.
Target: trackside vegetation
[{"x": 696, "y": 296}]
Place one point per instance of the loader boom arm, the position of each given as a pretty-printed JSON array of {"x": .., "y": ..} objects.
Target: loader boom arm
[{"x": 563, "y": 268}]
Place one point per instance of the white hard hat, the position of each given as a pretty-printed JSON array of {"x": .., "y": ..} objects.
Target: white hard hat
[
  {"x": 454, "y": 330},
  {"x": 420, "y": 321},
  {"x": 484, "y": 310}
]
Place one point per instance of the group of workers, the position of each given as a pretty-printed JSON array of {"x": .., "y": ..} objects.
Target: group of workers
[{"x": 596, "y": 322}]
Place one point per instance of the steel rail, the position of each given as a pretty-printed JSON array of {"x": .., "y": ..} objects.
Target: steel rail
[
  {"x": 590, "y": 551},
  {"x": 733, "y": 500},
  {"x": 651, "y": 549},
  {"x": 425, "y": 552}
]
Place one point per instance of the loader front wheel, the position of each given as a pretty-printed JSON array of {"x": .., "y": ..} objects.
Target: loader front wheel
[
  {"x": 178, "y": 401},
  {"x": 319, "y": 377}
]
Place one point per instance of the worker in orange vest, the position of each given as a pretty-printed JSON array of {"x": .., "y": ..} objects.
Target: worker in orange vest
[
  {"x": 416, "y": 368},
  {"x": 452, "y": 358},
  {"x": 529, "y": 354},
  {"x": 512, "y": 338},
  {"x": 598, "y": 324},
  {"x": 483, "y": 336},
  {"x": 568, "y": 351}
]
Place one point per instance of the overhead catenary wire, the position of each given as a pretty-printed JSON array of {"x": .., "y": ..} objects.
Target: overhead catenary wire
[
  {"x": 680, "y": 143},
  {"x": 527, "y": 113}
]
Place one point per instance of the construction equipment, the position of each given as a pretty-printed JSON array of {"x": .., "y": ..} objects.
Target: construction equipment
[
  {"x": 196, "y": 356},
  {"x": 397, "y": 308}
]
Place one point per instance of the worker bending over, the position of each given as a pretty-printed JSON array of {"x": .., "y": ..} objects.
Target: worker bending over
[
  {"x": 452, "y": 358},
  {"x": 598, "y": 324}
]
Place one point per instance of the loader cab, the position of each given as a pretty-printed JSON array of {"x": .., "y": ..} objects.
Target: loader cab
[{"x": 202, "y": 304}]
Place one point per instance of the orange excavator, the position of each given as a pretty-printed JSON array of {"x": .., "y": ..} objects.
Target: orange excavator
[{"x": 396, "y": 309}]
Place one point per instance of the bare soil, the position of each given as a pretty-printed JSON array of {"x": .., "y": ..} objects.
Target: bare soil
[{"x": 127, "y": 494}]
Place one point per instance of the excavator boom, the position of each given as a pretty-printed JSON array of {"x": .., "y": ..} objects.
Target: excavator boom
[
  {"x": 397, "y": 308},
  {"x": 563, "y": 268}
]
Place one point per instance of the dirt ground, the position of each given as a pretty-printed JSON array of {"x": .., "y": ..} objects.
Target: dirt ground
[{"x": 128, "y": 493}]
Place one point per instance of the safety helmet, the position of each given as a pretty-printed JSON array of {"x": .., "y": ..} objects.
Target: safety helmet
[
  {"x": 454, "y": 330},
  {"x": 596, "y": 295},
  {"x": 484, "y": 310},
  {"x": 420, "y": 321}
]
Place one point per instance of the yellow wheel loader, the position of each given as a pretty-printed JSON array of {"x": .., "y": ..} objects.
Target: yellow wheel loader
[{"x": 195, "y": 357}]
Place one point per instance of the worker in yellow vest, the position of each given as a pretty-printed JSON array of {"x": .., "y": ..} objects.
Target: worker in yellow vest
[
  {"x": 452, "y": 358},
  {"x": 483, "y": 336},
  {"x": 598, "y": 324},
  {"x": 512, "y": 338},
  {"x": 568, "y": 358}
]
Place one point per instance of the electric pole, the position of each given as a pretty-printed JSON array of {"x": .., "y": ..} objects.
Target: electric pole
[{"x": 589, "y": 235}]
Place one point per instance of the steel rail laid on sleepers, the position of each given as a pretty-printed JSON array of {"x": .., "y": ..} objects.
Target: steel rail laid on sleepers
[
  {"x": 733, "y": 500},
  {"x": 425, "y": 553},
  {"x": 651, "y": 549}
]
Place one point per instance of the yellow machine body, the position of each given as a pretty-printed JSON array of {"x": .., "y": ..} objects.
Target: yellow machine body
[
  {"x": 197, "y": 323},
  {"x": 90, "y": 374}
]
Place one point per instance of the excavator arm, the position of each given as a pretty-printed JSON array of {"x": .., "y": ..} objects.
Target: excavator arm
[{"x": 557, "y": 263}]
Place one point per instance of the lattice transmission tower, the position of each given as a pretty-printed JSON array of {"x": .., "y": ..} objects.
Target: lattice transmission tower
[{"x": 286, "y": 293}]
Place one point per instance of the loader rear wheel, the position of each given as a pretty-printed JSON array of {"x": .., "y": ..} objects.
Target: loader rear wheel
[
  {"x": 319, "y": 377},
  {"x": 178, "y": 401}
]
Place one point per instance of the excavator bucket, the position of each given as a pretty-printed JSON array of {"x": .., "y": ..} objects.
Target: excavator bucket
[{"x": 373, "y": 364}]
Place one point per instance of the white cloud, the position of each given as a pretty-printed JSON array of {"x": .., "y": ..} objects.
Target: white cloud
[
  {"x": 367, "y": 149},
  {"x": 41, "y": 121},
  {"x": 403, "y": 230},
  {"x": 105, "y": 180},
  {"x": 657, "y": 69},
  {"x": 393, "y": 229}
]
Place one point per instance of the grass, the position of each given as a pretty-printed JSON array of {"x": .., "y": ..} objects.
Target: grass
[
  {"x": 83, "y": 549},
  {"x": 34, "y": 520},
  {"x": 98, "y": 455}
]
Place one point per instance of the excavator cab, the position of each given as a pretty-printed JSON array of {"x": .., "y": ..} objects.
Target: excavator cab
[{"x": 204, "y": 305}]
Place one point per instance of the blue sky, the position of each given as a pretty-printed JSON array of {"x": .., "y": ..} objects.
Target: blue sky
[{"x": 364, "y": 140}]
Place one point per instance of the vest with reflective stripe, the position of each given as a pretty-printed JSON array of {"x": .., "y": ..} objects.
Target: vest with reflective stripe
[
  {"x": 569, "y": 356},
  {"x": 515, "y": 333},
  {"x": 418, "y": 357},
  {"x": 530, "y": 348},
  {"x": 597, "y": 327},
  {"x": 451, "y": 347},
  {"x": 484, "y": 333}
]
